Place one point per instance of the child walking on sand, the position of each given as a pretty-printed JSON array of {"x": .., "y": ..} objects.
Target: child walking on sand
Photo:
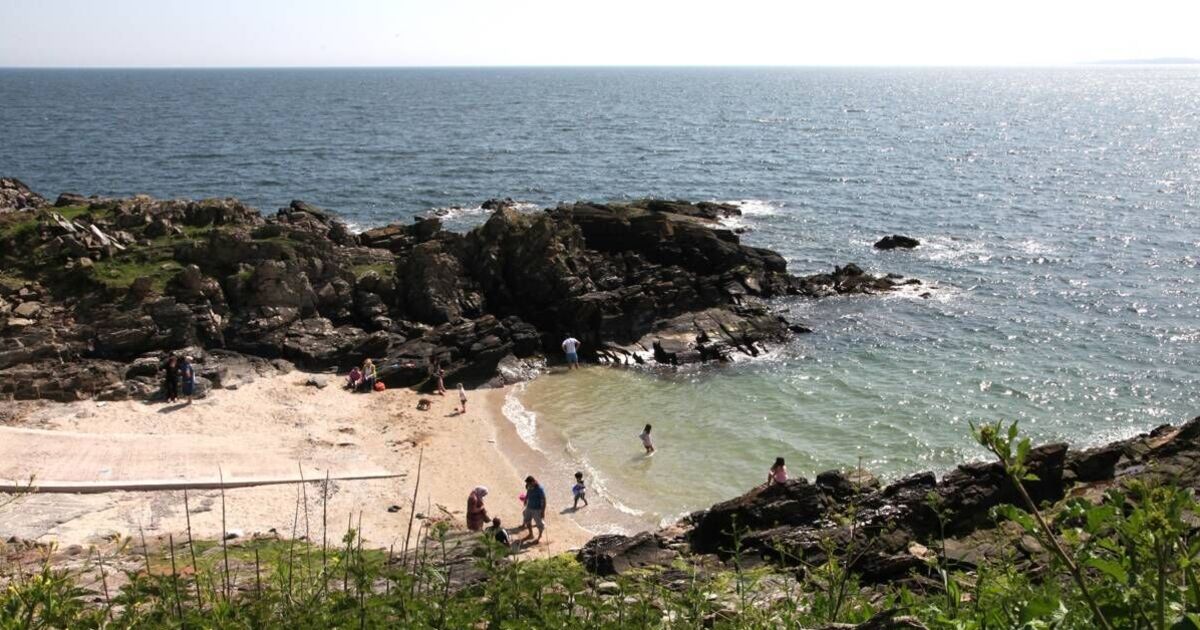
[
  {"x": 580, "y": 491},
  {"x": 462, "y": 399},
  {"x": 646, "y": 441}
]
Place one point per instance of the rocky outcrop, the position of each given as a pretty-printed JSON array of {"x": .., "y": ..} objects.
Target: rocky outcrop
[
  {"x": 892, "y": 528},
  {"x": 105, "y": 279},
  {"x": 15, "y": 196},
  {"x": 896, "y": 241},
  {"x": 614, "y": 554}
]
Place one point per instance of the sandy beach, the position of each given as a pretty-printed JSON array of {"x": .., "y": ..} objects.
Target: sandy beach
[{"x": 272, "y": 430}]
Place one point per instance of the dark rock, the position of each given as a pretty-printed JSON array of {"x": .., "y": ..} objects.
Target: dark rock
[
  {"x": 614, "y": 554},
  {"x": 794, "y": 503},
  {"x": 896, "y": 241}
]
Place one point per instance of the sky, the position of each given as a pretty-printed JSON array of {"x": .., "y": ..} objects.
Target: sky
[{"x": 260, "y": 33}]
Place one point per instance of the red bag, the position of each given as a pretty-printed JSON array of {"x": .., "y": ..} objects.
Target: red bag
[{"x": 379, "y": 386}]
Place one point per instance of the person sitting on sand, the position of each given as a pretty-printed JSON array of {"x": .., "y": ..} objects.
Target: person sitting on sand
[
  {"x": 580, "y": 491},
  {"x": 354, "y": 380},
  {"x": 500, "y": 533},
  {"x": 535, "y": 509},
  {"x": 171, "y": 380},
  {"x": 462, "y": 399},
  {"x": 369, "y": 376},
  {"x": 778, "y": 473},
  {"x": 187, "y": 377},
  {"x": 646, "y": 441},
  {"x": 477, "y": 515},
  {"x": 570, "y": 346}
]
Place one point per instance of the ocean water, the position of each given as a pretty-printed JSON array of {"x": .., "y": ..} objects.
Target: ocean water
[{"x": 1059, "y": 211}]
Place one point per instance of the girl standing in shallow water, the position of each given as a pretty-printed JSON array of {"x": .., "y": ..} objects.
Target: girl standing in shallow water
[{"x": 646, "y": 441}]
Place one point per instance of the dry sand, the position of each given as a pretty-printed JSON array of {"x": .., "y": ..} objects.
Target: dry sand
[{"x": 269, "y": 429}]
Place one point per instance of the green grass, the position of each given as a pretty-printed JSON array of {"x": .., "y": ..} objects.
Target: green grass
[
  {"x": 74, "y": 212},
  {"x": 119, "y": 273}
]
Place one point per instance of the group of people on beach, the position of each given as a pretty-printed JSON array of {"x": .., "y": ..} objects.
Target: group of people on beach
[
  {"x": 533, "y": 512},
  {"x": 363, "y": 379},
  {"x": 178, "y": 374}
]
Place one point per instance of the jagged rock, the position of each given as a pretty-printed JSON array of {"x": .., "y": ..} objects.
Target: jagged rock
[
  {"x": 896, "y": 241},
  {"x": 498, "y": 204},
  {"x": 16, "y": 196},
  {"x": 435, "y": 288},
  {"x": 614, "y": 554},
  {"x": 642, "y": 281},
  {"x": 792, "y": 503}
]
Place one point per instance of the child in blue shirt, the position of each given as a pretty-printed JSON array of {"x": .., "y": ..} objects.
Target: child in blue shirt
[{"x": 580, "y": 491}]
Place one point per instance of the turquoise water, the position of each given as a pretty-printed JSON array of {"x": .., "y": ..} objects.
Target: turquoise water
[{"x": 1059, "y": 211}]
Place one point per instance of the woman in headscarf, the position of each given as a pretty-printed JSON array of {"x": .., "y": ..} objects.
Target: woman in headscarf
[{"x": 477, "y": 515}]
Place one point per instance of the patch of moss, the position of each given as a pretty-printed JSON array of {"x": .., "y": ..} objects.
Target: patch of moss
[
  {"x": 12, "y": 281},
  {"x": 73, "y": 212},
  {"x": 121, "y": 273},
  {"x": 384, "y": 269}
]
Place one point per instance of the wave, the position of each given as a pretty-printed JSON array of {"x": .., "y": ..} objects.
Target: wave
[
  {"x": 597, "y": 485},
  {"x": 751, "y": 209},
  {"x": 524, "y": 420}
]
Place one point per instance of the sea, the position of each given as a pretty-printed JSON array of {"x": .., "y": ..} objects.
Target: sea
[{"x": 1058, "y": 211}]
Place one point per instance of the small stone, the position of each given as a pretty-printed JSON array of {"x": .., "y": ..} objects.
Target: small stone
[
  {"x": 316, "y": 381},
  {"x": 608, "y": 588},
  {"x": 27, "y": 309}
]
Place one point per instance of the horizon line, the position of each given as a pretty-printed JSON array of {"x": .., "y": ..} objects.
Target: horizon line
[{"x": 1172, "y": 61}]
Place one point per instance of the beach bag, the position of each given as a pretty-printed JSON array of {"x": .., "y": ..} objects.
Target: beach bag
[{"x": 380, "y": 386}]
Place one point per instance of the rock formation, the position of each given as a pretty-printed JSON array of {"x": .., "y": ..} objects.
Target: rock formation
[
  {"x": 889, "y": 531},
  {"x": 90, "y": 285},
  {"x": 896, "y": 241}
]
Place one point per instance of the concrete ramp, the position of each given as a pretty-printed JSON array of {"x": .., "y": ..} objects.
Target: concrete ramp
[{"x": 74, "y": 462}]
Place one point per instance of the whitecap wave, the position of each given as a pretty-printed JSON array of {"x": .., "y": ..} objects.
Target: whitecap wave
[
  {"x": 751, "y": 209},
  {"x": 469, "y": 213},
  {"x": 524, "y": 420}
]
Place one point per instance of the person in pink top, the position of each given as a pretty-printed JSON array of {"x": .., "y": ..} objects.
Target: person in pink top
[{"x": 778, "y": 472}]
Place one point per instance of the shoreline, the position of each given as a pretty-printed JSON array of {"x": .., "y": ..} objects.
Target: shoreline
[{"x": 269, "y": 427}]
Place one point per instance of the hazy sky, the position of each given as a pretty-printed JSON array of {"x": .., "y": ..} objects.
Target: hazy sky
[{"x": 599, "y": 32}]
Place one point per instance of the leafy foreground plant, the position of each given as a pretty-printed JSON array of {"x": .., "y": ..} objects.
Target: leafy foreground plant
[{"x": 1126, "y": 561}]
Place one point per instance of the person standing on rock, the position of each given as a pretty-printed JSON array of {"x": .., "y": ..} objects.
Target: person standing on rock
[
  {"x": 171, "y": 380},
  {"x": 187, "y": 377},
  {"x": 535, "y": 509},
  {"x": 570, "y": 346}
]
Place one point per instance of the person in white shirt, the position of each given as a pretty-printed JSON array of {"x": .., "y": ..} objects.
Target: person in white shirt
[{"x": 570, "y": 345}]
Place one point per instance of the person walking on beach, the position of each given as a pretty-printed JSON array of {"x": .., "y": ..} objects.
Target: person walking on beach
[
  {"x": 477, "y": 515},
  {"x": 187, "y": 377},
  {"x": 646, "y": 441},
  {"x": 462, "y": 399},
  {"x": 171, "y": 380},
  {"x": 580, "y": 491},
  {"x": 778, "y": 472},
  {"x": 441, "y": 380},
  {"x": 535, "y": 509},
  {"x": 570, "y": 346}
]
